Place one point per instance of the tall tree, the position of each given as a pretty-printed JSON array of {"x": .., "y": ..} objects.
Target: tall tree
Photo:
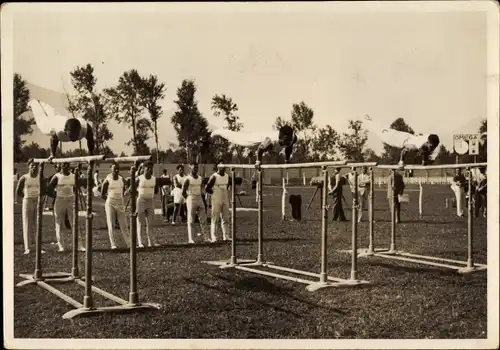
[
  {"x": 225, "y": 107},
  {"x": 324, "y": 144},
  {"x": 391, "y": 154},
  {"x": 189, "y": 123},
  {"x": 352, "y": 144},
  {"x": 90, "y": 104},
  {"x": 143, "y": 126},
  {"x": 152, "y": 91},
  {"x": 22, "y": 124},
  {"x": 302, "y": 120},
  {"x": 126, "y": 104},
  {"x": 33, "y": 150},
  {"x": 369, "y": 155}
]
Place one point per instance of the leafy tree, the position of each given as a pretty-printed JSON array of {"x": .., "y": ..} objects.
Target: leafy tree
[
  {"x": 369, "y": 155},
  {"x": 391, "y": 154},
  {"x": 90, "y": 104},
  {"x": 444, "y": 156},
  {"x": 324, "y": 144},
  {"x": 189, "y": 123},
  {"x": 33, "y": 150},
  {"x": 152, "y": 91},
  {"x": 302, "y": 120},
  {"x": 126, "y": 104},
  {"x": 22, "y": 124},
  {"x": 352, "y": 144},
  {"x": 143, "y": 126},
  {"x": 225, "y": 107}
]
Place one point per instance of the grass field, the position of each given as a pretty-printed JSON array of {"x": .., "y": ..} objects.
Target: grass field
[{"x": 201, "y": 301}]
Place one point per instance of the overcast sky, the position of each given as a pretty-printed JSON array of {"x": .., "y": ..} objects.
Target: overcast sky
[{"x": 426, "y": 67}]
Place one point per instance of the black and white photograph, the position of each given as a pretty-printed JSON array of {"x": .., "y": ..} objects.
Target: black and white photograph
[{"x": 236, "y": 175}]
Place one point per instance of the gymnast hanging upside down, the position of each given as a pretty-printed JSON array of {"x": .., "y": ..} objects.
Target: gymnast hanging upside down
[
  {"x": 60, "y": 128},
  {"x": 425, "y": 144},
  {"x": 263, "y": 141}
]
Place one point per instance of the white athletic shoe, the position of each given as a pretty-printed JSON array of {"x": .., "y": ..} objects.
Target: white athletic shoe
[
  {"x": 114, "y": 247},
  {"x": 61, "y": 249},
  {"x": 26, "y": 252},
  {"x": 81, "y": 249},
  {"x": 191, "y": 241},
  {"x": 140, "y": 246}
]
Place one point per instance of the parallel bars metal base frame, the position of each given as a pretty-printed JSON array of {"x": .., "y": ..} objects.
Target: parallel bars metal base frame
[{"x": 42, "y": 280}]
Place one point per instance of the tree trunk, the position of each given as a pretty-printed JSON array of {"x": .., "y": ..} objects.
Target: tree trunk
[{"x": 157, "y": 147}]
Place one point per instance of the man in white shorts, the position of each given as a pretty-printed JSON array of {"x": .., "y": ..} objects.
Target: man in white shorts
[
  {"x": 112, "y": 191},
  {"x": 363, "y": 191},
  {"x": 424, "y": 144},
  {"x": 146, "y": 190},
  {"x": 218, "y": 186},
  {"x": 192, "y": 192},
  {"x": 28, "y": 188},
  {"x": 179, "y": 201},
  {"x": 64, "y": 183}
]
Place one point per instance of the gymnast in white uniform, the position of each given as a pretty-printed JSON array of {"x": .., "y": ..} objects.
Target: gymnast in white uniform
[
  {"x": 425, "y": 144},
  {"x": 28, "y": 188},
  {"x": 285, "y": 137},
  {"x": 113, "y": 189}
]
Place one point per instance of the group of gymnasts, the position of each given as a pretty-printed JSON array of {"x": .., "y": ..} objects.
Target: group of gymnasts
[{"x": 188, "y": 191}]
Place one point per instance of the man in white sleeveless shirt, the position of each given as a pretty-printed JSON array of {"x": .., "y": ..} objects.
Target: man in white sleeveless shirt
[
  {"x": 64, "y": 183},
  {"x": 192, "y": 191},
  {"x": 29, "y": 189},
  {"x": 179, "y": 200},
  {"x": 218, "y": 186},
  {"x": 146, "y": 190},
  {"x": 112, "y": 191}
]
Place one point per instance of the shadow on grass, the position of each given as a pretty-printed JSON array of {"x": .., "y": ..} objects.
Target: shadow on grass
[
  {"x": 432, "y": 270},
  {"x": 259, "y": 284},
  {"x": 168, "y": 246},
  {"x": 253, "y": 240},
  {"x": 221, "y": 290},
  {"x": 418, "y": 221}
]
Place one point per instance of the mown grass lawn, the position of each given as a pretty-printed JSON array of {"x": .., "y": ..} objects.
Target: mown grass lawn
[{"x": 201, "y": 301}]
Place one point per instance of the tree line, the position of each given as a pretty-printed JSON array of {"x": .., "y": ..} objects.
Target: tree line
[{"x": 135, "y": 99}]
